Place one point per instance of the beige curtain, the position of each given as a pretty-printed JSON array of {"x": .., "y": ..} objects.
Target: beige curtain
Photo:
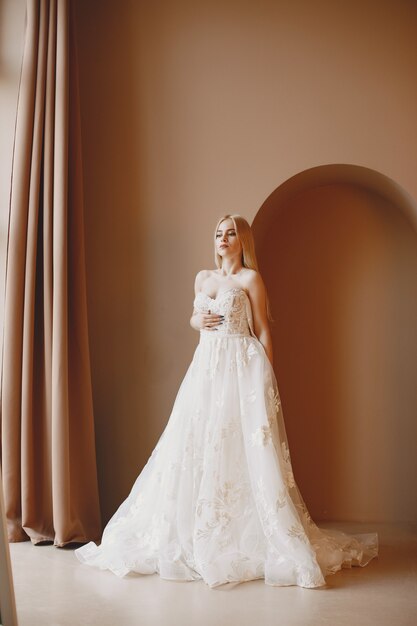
[{"x": 47, "y": 444}]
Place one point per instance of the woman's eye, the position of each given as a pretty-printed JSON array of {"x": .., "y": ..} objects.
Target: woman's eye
[{"x": 230, "y": 234}]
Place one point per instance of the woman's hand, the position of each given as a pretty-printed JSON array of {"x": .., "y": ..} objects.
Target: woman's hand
[{"x": 206, "y": 321}]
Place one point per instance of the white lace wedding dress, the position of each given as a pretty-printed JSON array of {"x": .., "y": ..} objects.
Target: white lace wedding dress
[{"x": 217, "y": 499}]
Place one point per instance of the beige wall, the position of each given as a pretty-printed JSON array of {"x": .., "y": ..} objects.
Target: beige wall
[{"x": 191, "y": 109}]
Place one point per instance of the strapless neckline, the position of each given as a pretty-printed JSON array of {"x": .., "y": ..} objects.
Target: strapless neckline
[{"x": 203, "y": 293}]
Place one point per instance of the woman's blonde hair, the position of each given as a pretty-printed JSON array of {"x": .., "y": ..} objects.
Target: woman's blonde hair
[{"x": 245, "y": 236}]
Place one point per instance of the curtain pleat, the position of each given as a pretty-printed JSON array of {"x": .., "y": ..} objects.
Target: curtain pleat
[{"x": 48, "y": 448}]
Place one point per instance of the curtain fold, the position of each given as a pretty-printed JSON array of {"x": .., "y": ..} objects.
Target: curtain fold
[{"x": 47, "y": 426}]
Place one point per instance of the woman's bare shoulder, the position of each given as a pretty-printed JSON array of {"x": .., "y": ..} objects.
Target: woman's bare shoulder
[
  {"x": 201, "y": 276},
  {"x": 251, "y": 277}
]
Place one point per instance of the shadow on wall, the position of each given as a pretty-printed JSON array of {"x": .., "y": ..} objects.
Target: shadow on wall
[{"x": 337, "y": 247}]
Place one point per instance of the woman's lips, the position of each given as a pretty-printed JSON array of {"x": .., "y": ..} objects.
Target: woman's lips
[{"x": 224, "y": 245}]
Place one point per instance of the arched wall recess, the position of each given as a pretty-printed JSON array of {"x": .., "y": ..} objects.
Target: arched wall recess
[
  {"x": 337, "y": 247},
  {"x": 333, "y": 174}
]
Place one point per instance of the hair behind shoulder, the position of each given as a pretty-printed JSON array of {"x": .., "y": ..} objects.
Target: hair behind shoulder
[{"x": 245, "y": 236}]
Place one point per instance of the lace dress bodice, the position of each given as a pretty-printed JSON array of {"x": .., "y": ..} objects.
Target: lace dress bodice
[{"x": 234, "y": 304}]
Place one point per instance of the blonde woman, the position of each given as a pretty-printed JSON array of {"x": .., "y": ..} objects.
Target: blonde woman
[{"x": 217, "y": 500}]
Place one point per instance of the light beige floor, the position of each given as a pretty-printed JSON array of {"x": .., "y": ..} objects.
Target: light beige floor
[{"x": 52, "y": 588}]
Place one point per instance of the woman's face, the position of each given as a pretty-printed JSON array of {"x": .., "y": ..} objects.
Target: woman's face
[{"x": 227, "y": 242}]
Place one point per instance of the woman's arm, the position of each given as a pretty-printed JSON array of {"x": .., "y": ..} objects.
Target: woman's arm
[
  {"x": 200, "y": 320},
  {"x": 195, "y": 321},
  {"x": 257, "y": 294}
]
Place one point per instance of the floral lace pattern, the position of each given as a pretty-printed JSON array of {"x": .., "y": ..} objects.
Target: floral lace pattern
[
  {"x": 217, "y": 499},
  {"x": 233, "y": 304}
]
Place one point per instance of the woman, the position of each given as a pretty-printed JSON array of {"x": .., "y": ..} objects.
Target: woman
[{"x": 217, "y": 498}]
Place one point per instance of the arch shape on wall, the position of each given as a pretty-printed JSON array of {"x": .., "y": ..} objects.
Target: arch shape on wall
[
  {"x": 337, "y": 246},
  {"x": 336, "y": 173}
]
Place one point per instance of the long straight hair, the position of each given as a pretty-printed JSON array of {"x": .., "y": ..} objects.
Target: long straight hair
[{"x": 245, "y": 236}]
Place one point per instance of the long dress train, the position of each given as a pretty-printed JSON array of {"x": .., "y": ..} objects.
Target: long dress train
[{"x": 217, "y": 499}]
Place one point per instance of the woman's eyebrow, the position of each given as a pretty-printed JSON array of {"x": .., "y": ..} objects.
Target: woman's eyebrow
[{"x": 229, "y": 229}]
